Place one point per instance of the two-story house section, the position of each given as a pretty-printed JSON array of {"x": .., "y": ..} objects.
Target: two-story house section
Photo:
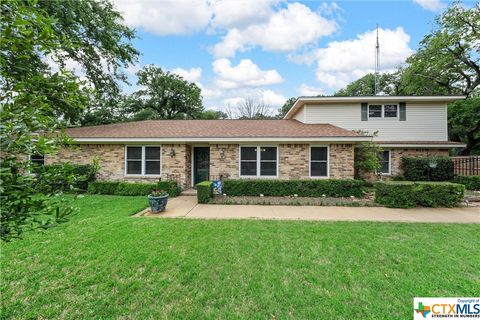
[{"x": 404, "y": 125}]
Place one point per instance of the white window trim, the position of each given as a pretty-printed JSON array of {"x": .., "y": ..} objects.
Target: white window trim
[
  {"x": 143, "y": 162},
  {"x": 382, "y": 115},
  {"x": 389, "y": 164},
  {"x": 30, "y": 159},
  {"x": 258, "y": 161},
  {"x": 310, "y": 161}
]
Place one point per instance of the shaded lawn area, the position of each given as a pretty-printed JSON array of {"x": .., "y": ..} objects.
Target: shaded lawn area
[{"x": 106, "y": 264}]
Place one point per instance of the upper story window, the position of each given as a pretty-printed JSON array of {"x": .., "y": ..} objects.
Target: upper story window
[
  {"x": 143, "y": 160},
  {"x": 383, "y": 111},
  {"x": 37, "y": 159},
  {"x": 258, "y": 161}
]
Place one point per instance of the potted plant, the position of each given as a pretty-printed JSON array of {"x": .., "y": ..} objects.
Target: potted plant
[{"x": 158, "y": 200}]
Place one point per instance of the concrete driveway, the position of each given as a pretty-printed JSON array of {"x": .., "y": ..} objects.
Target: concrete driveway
[{"x": 187, "y": 207}]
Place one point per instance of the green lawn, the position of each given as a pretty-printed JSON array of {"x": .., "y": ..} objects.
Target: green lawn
[{"x": 104, "y": 264}]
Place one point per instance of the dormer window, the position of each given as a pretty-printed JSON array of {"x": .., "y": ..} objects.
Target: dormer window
[
  {"x": 375, "y": 111},
  {"x": 390, "y": 111}
]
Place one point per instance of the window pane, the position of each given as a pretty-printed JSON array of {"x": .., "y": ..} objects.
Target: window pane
[
  {"x": 318, "y": 169},
  {"x": 384, "y": 168},
  {"x": 268, "y": 153},
  {"x": 390, "y": 110},
  {"x": 37, "y": 159},
  {"x": 134, "y": 153},
  {"x": 134, "y": 167},
  {"x": 152, "y": 153},
  {"x": 248, "y": 153},
  {"x": 152, "y": 167},
  {"x": 268, "y": 168},
  {"x": 384, "y": 161},
  {"x": 375, "y": 111},
  {"x": 385, "y": 156},
  {"x": 319, "y": 153},
  {"x": 248, "y": 169}
]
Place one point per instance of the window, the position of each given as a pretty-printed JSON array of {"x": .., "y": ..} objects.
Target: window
[
  {"x": 383, "y": 111},
  {"x": 390, "y": 111},
  {"x": 319, "y": 161},
  {"x": 258, "y": 161},
  {"x": 374, "y": 111},
  {"x": 385, "y": 162},
  {"x": 143, "y": 160},
  {"x": 37, "y": 159}
]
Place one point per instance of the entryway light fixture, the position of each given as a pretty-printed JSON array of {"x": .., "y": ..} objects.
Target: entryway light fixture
[
  {"x": 172, "y": 152},
  {"x": 222, "y": 153}
]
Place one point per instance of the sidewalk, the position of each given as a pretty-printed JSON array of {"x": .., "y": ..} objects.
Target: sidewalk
[{"x": 187, "y": 207}]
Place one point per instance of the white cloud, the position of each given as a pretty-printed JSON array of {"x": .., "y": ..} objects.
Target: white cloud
[
  {"x": 166, "y": 17},
  {"x": 344, "y": 61},
  {"x": 305, "y": 90},
  {"x": 272, "y": 98},
  {"x": 431, "y": 5},
  {"x": 286, "y": 30},
  {"x": 191, "y": 75},
  {"x": 246, "y": 73},
  {"x": 239, "y": 14}
]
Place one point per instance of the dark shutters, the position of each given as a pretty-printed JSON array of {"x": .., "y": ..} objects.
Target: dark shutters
[
  {"x": 364, "y": 111},
  {"x": 403, "y": 111}
]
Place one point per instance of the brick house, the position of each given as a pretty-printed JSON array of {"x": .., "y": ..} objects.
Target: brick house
[{"x": 315, "y": 140}]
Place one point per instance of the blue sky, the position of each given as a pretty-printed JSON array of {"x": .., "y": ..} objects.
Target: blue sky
[{"x": 272, "y": 50}]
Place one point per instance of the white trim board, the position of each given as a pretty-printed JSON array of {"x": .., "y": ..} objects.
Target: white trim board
[{"x": 220, "y": 140}]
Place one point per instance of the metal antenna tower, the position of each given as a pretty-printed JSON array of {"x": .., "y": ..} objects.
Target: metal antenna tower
[{"x": 377, "y": 65}]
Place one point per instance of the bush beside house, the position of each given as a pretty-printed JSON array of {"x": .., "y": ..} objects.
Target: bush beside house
[
  {"x": 204, "y": 191},
  {"x": 470, "y": 182},
  {"x": 302, "y": 188},
  {"x": 408, "y": 194},
  {"x": 427, "y": 168},
  {"x": 132, "y": 188}
]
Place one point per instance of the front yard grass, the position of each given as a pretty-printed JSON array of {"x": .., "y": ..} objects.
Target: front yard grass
[{"x": 105, "y": 264}]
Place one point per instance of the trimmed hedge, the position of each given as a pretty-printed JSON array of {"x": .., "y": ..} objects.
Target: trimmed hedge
[
  {"x": 78, "y": 175},
  {"x": 470, "y": 182},
  {"x": 303, "y": 188},
  {"x": 103, "y": 187},
  {"x": 409, "y": 194},
  {"x": 132, "y": 188},
  {"x": 418, "y": 169},
  {"x": 171, "y": 187},
  {"x": 204, "y": 191}
]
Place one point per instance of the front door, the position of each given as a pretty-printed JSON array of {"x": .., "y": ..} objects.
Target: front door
[{"x": 201, "y": 164}]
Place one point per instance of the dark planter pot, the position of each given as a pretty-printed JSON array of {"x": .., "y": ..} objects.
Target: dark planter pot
[{"x": 158, "y": 204}]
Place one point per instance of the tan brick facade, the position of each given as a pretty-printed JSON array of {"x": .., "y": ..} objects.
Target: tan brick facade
[{"x": 293, "y": 161}]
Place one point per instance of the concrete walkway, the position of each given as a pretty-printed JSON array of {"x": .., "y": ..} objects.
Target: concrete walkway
[{"x": 187, "y": 207}]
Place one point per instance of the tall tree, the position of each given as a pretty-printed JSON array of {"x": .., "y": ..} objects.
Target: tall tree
[
  {"x": 253, "y": 109},
  {"x": 164, "y": 95},
  {"x": 213, "y": 115},
  {"x": 37, "y": 102},
  {"x": 282, "y": 111},
  {"x": 365, "y": 86},
  {"x": 464, "y": 124},
  {"x": 448, "y": 60}
]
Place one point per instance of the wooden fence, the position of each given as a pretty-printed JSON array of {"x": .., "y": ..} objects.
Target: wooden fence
[{"x": 466, "y": 166}]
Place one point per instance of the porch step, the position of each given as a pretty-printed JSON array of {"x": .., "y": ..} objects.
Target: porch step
[{"x": 189, "y": 192}]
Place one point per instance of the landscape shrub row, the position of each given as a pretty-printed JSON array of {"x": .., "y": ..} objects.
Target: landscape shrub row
[
  {"x": 62, "y": 176},
  {"x": 132, "y": 188},
  {"x": 408, "y": 194},
  {"x": 427, "y": 168},
  {"x": 470, "y": 182},
  {"x": 204, "y": 191},
  {"x": 302, "y": 188}
]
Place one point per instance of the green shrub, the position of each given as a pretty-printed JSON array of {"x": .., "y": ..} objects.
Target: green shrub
[
  {"x": 66, "y": 175},
  {"x": 419, "y": 168},
  {"x": 134, "y": 189},
  {"x": 204, "y": 191},
  {"x": 103, "y": 187},
  {"x": 470, "y": 182},
  {"x": 409, "y": 194},
  {"x": 170, "y": 186},
  {"x": 303, "y": 188}
]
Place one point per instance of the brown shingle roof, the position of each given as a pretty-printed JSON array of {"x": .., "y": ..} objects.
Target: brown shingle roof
[{"x": 210, "y": 129}]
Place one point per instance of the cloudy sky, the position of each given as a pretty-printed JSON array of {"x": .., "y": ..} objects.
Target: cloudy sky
[{"x": 272, "y": 50}]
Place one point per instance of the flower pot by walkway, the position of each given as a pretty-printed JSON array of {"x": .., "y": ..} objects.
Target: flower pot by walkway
[{"x": 187, "y": 207}]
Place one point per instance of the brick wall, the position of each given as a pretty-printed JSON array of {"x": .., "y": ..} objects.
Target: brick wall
[
  {"x": 397, "y": 154},
  {"x": 177, "y": 167},
  {"x": 224, "y": 160},
  {"x": 341, "y": 161},
  {"x": 294, "y": 161}
]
